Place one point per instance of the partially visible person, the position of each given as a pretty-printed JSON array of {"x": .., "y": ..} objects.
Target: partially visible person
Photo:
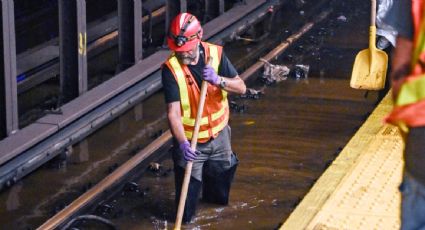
[
  {"x": 386, "y": 34},
  {"x": 386, "y": 37},
  {"x": 408, "y": 85}
]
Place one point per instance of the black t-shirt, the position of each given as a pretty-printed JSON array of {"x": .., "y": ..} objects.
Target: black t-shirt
[{"x": 171, "y": 88}]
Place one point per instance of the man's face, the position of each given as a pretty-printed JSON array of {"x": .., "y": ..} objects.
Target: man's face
[{"x": 187, "y": 57}]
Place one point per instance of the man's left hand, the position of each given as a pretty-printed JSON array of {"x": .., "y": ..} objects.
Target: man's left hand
[{"x": 210, "y": 75}]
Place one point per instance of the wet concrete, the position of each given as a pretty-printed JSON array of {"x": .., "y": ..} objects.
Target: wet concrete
[{"x": 284, "y": 142}]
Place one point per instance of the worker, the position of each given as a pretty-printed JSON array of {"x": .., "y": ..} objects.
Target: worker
[
  {"x": 214, "y": 162},
  {"x": 408, "y": 84}
]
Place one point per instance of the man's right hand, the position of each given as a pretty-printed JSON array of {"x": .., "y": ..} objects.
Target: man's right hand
[{"x": 188, "y": 153}]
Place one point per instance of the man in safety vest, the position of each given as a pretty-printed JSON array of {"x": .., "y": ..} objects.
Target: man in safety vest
[
  {"x": 214, "y": 163},
  {"x": 408, "y": 83}
]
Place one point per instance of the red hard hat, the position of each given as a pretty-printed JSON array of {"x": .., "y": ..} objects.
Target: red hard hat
[{"x": 185, "y": 32}]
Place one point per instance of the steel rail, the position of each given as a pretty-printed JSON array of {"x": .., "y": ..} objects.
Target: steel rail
[
  {"x": 106, "y": 183},
  {"x": 85, "y": 199},
  {"x": 283, "y": 46}
]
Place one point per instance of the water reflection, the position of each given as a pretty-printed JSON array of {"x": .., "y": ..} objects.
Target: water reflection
[
  {"x": 123, "y": 123},
  {"x": 84, "y": 151},
  {"x": 138, "y": 112},
  {"x": 12, "y": 202}
]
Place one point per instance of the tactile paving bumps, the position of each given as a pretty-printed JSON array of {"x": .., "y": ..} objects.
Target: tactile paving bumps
[{"x": 368, "y": 196}]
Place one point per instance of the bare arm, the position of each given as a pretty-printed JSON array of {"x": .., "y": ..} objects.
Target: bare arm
[
  {"x": 175, "y": 122},
  {"x": 235, "y": 85},
  {"x": 400, "y": 62}
]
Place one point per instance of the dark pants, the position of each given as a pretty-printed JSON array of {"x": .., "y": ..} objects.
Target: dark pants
[
  {"x": 413, "y": 186},
  {"x": 212, "y": 172},
  {"x": 412, "y": 204}
]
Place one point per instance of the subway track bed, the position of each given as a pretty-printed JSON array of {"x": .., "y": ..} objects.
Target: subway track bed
[{"x": 284, "y": 140}]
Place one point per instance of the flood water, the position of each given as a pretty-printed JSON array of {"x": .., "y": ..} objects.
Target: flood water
[{"x": 284, "y": 142}]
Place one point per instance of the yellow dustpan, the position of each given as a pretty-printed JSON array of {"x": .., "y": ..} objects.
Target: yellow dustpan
[{"x": 370, "y": 66}]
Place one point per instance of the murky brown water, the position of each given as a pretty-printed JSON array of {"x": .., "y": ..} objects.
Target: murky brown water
[{"x": 284, "y": 142}]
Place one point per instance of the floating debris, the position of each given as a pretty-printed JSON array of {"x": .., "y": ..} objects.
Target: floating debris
[
  {"x": 237, "y": 108},
  {"x": 105, "y": 209},
  {"x": 252, "y": 94},
  {"x": 219, "y": 210},
  {"x": 154, "y": 167},
  {"x": 342, "y": 18},
  {"x": 300, "y": 71},
  {"x": 274, "y": 73},
  {"x": 131, "y": 187},
  {"x": 158, "y": 170},
  {"x": 159, "y": 224},
  {"x": 299, "y": 48}
]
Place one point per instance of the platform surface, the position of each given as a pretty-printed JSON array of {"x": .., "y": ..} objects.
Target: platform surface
[{"x": 360, "y": 189}]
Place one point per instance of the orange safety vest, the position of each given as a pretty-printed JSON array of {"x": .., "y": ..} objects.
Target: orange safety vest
[
  {"x": 216, "y": 109},
  {"x": 409, "y": 106}
]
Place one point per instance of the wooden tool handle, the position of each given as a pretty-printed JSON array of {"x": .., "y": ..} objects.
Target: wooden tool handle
[
  {"x": 373, "y": 13},
  {"x": 188, "y": 170}
]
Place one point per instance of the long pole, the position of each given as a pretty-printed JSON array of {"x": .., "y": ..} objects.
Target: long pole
[{"x": 193, "y": 142}]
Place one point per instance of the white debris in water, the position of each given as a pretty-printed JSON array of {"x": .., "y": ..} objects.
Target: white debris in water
[
  {"x": 274, "y": 73},
  {"x": 342, "y": 18},
  {"x": 206, "y": 217},
  {"x": 219, "y": 210},
  {"x": 240, "y": 205},
  {"x": 159, "y": 224}
]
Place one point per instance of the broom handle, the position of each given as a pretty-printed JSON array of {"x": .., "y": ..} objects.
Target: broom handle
[
  {"x": 373, "y": 14},
  {"x": 188, "y": 170}
]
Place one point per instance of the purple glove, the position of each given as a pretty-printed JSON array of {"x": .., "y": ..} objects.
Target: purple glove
[
  {"x": 210, "y": 75},
  {"x": 188, "y": 153}
]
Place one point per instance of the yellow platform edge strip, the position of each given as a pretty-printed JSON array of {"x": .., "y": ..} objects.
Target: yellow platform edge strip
[{"x": 313, "y": 202}]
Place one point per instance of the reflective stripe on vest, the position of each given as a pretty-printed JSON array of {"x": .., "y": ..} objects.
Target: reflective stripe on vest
[
  {"x": 418, "y": 8},
  {"x": 205, "y": 134},
  {"x": 187, "y": 120},
  {"x": 184, "y": 97}
]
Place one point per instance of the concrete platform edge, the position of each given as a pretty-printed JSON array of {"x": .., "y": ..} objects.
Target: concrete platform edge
[{"x": 331, "y": 178}]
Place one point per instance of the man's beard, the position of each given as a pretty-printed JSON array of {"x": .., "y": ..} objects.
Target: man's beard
[{"x": 188, "y": 59}]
